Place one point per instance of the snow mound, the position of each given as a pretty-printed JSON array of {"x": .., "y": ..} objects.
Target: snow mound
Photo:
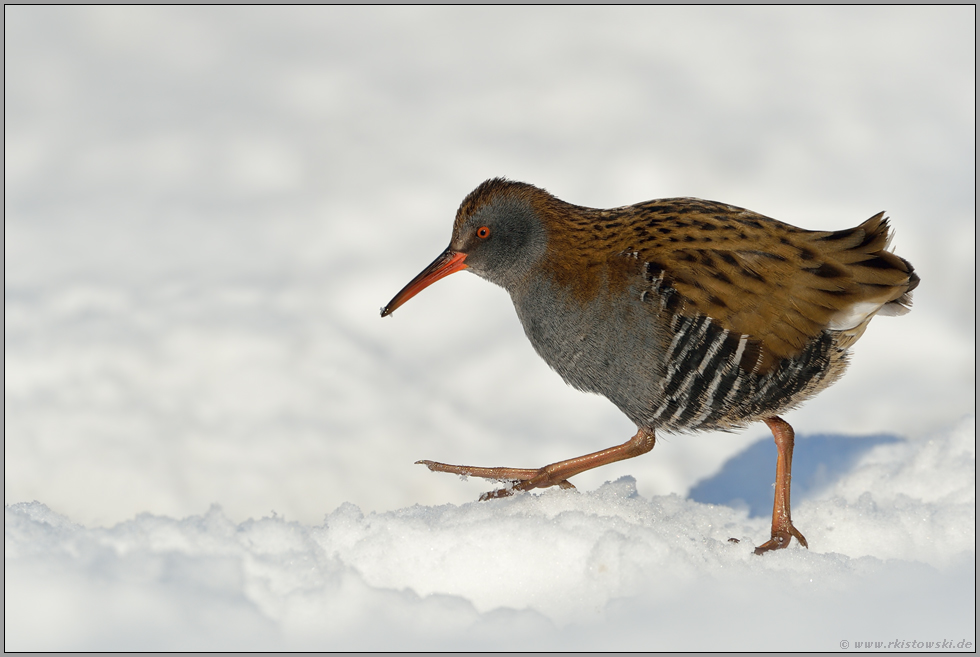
[{"x": 892, "y": 558}]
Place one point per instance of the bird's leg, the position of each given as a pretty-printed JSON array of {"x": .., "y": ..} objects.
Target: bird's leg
[
  {"x": 556, "y": 474},
  {"x": 782, "y": 525}
]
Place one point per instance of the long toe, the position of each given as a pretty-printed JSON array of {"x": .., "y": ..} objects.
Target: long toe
[
  {"x": 495, "y": 494},
  {"x": 540, "y": 481}
]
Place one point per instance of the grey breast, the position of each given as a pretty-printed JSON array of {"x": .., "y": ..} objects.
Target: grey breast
[{"x": 611, "y": 349}]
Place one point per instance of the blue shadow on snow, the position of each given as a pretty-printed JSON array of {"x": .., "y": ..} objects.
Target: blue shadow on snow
[{"x": 818, "y": 461}]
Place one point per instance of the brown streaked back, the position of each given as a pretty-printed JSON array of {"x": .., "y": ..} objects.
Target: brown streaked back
[{"x": 778, "y": 284}]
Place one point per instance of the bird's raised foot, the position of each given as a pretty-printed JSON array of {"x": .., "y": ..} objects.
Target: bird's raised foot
[
  {"x": 781, "y": 539},
  {"x": 519, "y": 478}
]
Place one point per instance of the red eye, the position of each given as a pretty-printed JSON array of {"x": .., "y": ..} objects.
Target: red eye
[{"x": 483, "y": 232}]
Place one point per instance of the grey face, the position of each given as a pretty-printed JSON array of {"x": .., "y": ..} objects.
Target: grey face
[{"x": 503, "y": 241}]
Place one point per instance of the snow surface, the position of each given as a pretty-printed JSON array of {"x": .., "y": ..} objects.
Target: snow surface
[
  {"x": 205, "y": 208},
  {"x": 893, "y": 559}
]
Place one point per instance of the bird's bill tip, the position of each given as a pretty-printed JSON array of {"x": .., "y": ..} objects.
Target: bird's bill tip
[{"x": 448, "y": 262}]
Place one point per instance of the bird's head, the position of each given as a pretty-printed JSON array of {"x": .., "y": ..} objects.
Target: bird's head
[{"x": 498, "y": 235}]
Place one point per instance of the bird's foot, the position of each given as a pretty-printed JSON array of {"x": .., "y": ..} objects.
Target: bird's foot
[
  {"x": 781, "y": 539},
  {"x": 555, "y": 474},
  {"x": 519, "y": 478}
]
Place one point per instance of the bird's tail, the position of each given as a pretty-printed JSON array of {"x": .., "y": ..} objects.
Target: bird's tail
[{"x": 884, "y": 277}]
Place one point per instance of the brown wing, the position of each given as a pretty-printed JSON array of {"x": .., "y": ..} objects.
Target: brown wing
[{"x": 780, "y": 285}]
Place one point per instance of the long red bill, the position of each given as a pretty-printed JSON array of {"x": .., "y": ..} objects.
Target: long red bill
[{"x": 449, "y": 262}]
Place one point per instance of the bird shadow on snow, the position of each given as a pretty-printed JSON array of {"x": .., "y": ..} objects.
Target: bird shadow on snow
[{"x": 747, "y": 479}]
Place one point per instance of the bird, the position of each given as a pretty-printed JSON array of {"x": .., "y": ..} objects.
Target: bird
[{"x": 687, "y": 314}]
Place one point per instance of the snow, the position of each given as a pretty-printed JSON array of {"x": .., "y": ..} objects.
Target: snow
[
  {"x": 205, "y": 209},
  {"x": 893, "y": 557}
]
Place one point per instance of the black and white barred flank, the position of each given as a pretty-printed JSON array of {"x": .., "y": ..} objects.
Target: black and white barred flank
[{"x": 712, "y": 380}]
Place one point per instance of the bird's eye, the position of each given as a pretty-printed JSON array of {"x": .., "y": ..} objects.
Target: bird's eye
[{"x": 483, "y": 232}]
